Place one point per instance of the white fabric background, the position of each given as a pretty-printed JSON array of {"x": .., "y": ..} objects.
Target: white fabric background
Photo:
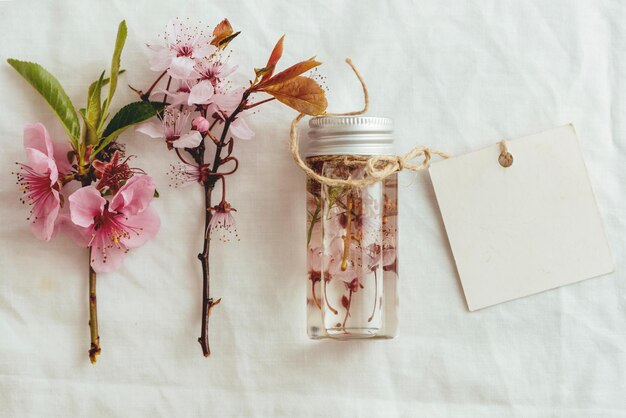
[{"x": 456, "y": 75}]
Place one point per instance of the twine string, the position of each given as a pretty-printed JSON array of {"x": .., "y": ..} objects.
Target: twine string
[{"x": 377, "y": 167}]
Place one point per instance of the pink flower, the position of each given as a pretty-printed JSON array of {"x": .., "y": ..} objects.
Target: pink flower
[
  {"x": 333, "y": 261},
  {"x": 225, "y": 102},
  {"x": 214, "y": 70},
  {"x": 183, "y": 174},
  {"x": 171, "y": 128},
  {"x": 113, "y": 227},
  {"x": 222, "y": 224},
  {"x": 112, "y": 173},
  {"x": 209, "y": 74},
  {"x": 39, "y": 179},
  {"x": 182, "y": 50}
]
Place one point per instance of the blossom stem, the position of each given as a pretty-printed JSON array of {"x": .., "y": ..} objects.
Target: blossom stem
[
  {"x": 345, "y": 319},
  {"x": 167, "y": 88},
  {"x": 207, "y": 300},
  {"x": 314, "y": 296},
  {"x": 260, "y": 103},
  {"x": 346, "y": 239},
  {"x": 227, "y": 123},
  {"x": 333, "y": 310},
  {"x": 375, "y": 296},
  {"x": 145, "y": 96},
  {"x": 180, "y": 157},
  {"x": 314, "y": 219},
  {"x": 94, "y": 350}
]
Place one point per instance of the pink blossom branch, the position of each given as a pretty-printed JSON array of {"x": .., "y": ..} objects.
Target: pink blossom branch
[{"x": 207, "y": 301}]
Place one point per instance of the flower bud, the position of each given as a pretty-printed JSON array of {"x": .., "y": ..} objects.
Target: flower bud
[{"x": 200, "y": 124}]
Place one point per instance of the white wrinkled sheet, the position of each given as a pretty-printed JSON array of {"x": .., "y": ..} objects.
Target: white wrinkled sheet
[{"x": 456, "y": 75}]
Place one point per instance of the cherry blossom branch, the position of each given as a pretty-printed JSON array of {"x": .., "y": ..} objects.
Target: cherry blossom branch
[
  {"x": 94, "y": 350},
  {"x": 207, "y": 301}
]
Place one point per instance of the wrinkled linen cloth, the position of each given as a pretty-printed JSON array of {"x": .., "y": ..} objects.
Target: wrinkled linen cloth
[{"x": 454, "y": 75}]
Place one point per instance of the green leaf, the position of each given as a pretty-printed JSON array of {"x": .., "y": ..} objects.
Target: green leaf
[
  {"x": 94, "y": 111},
  {"x": 52, "y": 91},
  {"x": 129, "y": 115},
  {"x": 104, "y": 81},
  {"x": 122, "y": 31},
  {"x": 90, "y": 134}
]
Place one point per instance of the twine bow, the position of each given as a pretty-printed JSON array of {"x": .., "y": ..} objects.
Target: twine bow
[{"x": 377, "y": 167}]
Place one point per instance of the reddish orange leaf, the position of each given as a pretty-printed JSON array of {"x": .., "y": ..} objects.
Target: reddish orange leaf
[
  {"x": 300, "y": 93},
  {"x": 221, "y": 32},
  {"x": 277, "y": 52},
  {"x": 291, "y": 72}
]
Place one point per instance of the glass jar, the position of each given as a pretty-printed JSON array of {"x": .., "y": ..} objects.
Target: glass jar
[{"x": 351, "y": 232}]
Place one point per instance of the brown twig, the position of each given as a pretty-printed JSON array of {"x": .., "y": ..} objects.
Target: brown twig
[
  {"x": 207, "y": 301},
  {"x": 94, "y": 350}
]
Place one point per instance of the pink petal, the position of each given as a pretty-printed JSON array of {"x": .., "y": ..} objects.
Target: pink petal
[
  {"x": 85, "y": 204},
  {"x": 134, "y": 196},
  {"x": 60, "y": 157},
  {"x": 190, "y": 140},
  {"x": 46, "y": 213},
  {"x": 173, "y": 98},
  {"x": 153, "y": 129},
  {"x": 200, "y": 93},
  {"x": 172, "y": 30},
  {"x": 43, "y": 164},
  {"x": 240, "y": 129},
  {"x": 203, "y": 51},
  {"x": 36, "y": 137},
  {"x": 181, "y": 67},
  {"x": 146, "y": 224},
  {"x": 227, "y": 70},
  {"x": 80, "y": 236},
  {"x": 161, "y": 59},
  {"x": 106, "y": 256},
  {"x": 228, "y": 101}
]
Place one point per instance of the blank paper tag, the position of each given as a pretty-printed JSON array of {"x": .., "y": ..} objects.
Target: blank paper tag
[{"x": 526, "y": 228}]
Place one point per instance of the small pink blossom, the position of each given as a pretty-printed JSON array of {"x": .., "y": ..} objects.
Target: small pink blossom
[
  {"x": 183, "y": 174},
  {"x": 171, "y": 128},
  {"x": 222, "y": 225},
  {"x": 214, "y": 71},
  {"x": 200, "y": 124},
  {"x": 183, "y": 48},
  {"x": 112, "y": 227},
  {"x": 39, "y": 179}
]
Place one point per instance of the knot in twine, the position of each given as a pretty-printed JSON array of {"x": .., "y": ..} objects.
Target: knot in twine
[{"x": 377, "y": 167}]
